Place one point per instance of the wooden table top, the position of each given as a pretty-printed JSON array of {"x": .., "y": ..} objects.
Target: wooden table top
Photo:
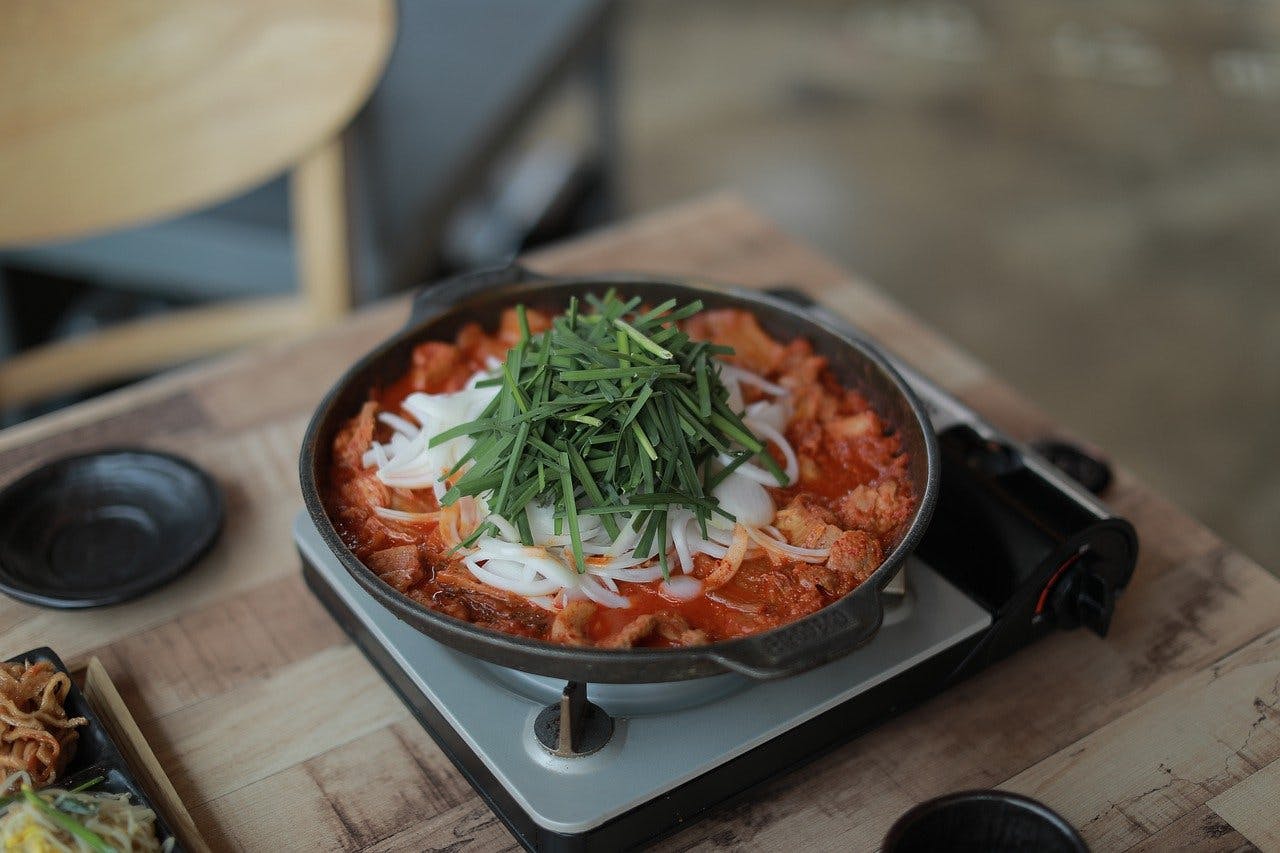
[{"x": 278, "y": 734}]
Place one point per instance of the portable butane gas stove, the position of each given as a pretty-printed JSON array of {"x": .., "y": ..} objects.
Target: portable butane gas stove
[{"x": 1015, "y": 550}]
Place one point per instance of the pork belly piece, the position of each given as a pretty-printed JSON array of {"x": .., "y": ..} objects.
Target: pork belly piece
[
  {"x": 463, "y": 597},
  {"x": 753, "y": 349},
  {"x": 860, "y": 425},
  {"x": 856, "y": 553},
  {"x": 807, "y": 524},
  {"x": 399, "y": 566},
  {"x": 668, "y": 626},
  {"x": 435, "y": 368},
  {"x": 570, "y": 625},
  {"x": 351, "y": 442},
  {"x": 364, "y": 492},
  {"x": 878, "y": 509}
]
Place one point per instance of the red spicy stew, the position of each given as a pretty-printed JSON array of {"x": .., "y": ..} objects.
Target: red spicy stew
[{"x": 852, "y": 497}]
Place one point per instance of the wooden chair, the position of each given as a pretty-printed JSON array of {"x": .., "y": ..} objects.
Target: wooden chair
[{"x": 112, "y": 114}]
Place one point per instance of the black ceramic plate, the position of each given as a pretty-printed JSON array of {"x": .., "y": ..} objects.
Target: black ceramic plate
[
  {"x": 104, "y": 527},
  {"x": 96, "y": 754},
  {"x": 116, "y": 780}
]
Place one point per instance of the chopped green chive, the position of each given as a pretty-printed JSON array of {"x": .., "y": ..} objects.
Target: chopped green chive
[
  {"x": 643, "y": 340},
  {"x": 613, "y": 413}
]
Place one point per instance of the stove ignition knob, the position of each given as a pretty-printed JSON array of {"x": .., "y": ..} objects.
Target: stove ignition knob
[{"x": 1084, "y": 597}]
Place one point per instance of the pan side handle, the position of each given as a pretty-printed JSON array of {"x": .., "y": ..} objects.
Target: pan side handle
[
  {"x": 435, "y": 298},
  {"x": 810, "y": 642}
]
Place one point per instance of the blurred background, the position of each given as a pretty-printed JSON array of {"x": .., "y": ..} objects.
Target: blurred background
[{"x": 1086, "y": 195}]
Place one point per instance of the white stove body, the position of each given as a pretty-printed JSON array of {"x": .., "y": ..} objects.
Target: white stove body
[{"x": 665, "y": 734}]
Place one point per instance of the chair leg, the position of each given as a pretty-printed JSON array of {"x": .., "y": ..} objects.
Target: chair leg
[
  {"x": 8, "y": 323},
  {"x": 321, "y": 231},
  {"x": 603, "y": 77}
]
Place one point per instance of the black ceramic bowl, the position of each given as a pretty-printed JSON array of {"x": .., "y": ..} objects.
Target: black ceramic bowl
[
  {"x": 983, "y": 822},
  {"x": 441, "y": 310},
  {"x": 104, "y": 527}
]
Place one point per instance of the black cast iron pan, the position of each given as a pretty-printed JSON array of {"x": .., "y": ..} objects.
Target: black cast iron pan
[{"x": 440, "y": 310}]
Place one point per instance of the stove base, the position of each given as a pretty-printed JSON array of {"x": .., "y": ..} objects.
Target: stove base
[
  {"x": 656, "y": 819},
  {"x": 636, "y": 790}
]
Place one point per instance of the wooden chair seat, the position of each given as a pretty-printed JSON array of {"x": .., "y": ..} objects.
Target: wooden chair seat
[{"x": 118, "y": 113}]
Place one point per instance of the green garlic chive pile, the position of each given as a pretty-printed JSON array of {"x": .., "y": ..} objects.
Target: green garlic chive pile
[{"x": 611, "y": 412}]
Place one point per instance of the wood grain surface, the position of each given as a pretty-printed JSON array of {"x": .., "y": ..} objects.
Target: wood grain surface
[
  {"x": 115, "y": 113},
  {"x": 278, "y": 735},
  {"x": 147, "y": 771}
]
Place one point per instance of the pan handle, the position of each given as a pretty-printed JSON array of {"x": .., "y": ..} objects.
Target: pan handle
[
  {"x": 811, "y": 642},
  {"x": 433, "y": 299}
]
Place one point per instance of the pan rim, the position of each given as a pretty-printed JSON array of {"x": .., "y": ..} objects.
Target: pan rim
[{"x": 555, "y": 659}]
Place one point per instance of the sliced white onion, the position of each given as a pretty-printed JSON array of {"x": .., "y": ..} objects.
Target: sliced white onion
[
  {"x": 488, "y": 547},
  {"x": 602, "y": 547},
  {"x": 627, "y": 537},
  {"x": 501, "y": 581},
  {"x": 792, "y": 466},
  {"x": 597, "y": 593},
  {"x": 396, "y": 478},
  {"x": 407, "y": 456},
  {"x": 703, "y": 546},
  {"x": 751, "y": 472},
  {"x": 681, "y": 587},
  {"x": 744, "y": 499},
  {"x": 807, "y": 555},
  {"x": 541, "y": 521},
  {"x": 679, "y": 527},
  {"x": 411, "y": 482},
  {"x": 503, "y": 568},
  {"x": 720, "y": 535},
  {"x": 506, "y": 528},
  {"x": 645, "y": 575},
  {"x": 772, "y": 412},
  {"x": 731, "y": 371},
  {"x": 617, "y": 562},
  {"x": 401, "y": 515},
  {"x": 398, "y": 423}
]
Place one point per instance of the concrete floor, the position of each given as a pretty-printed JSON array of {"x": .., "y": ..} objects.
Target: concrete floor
[{"x": 1085, "y": 195}]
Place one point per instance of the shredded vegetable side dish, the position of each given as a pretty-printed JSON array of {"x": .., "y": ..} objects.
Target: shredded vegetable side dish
[
  {"x": 620, "y": 475},
  {"x": 79, "y": 820},
  {"x": 36, "y": 736}
]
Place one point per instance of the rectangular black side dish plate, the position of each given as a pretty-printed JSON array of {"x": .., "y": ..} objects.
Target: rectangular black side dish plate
[{"x": 97, "y": 754}]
